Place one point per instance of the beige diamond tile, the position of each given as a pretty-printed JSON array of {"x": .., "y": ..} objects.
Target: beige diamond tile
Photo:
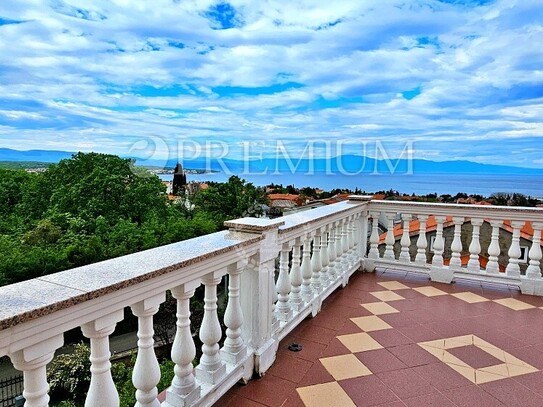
[
  {"x": 516, "y": 370},
  {"x": 439, "y": 343},
  {"x": 450, "y": 359},
  {"x": 481, "y": 343},
  {"x": 371, "y": 323},
  {"x": 500, "y": 370},
  {"x": 514, "y": 304},
  {"x": 470, "y": 298},
  {"x": 380, "y": 308},
  {"x": 467, "y": 372},
  {"x": 458, "y": 341},
  {"x": 387, "y": 295},
  {"x": 437, "y": 352},
  {"x": 486, "y": 377},
  {"x": 325, "y": 395},
  {"x": 359, "y": 342},
  {"x": 393, "y": 285},
  {"x": 430, "y": 291},
  {"x": 345, "y": 367}
]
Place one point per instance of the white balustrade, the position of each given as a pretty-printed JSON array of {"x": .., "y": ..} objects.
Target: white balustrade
[
  {"x": 513, "y": 268},
  {"x": 296, "y": 277},
  {"x": 234, "y": 349},
  {"x": 184, "y": 390},
  {"x": 374, "y": 237},
  {"x": 439, "y": 243},
  {"x": 405, "y": 241},
  {"x": 316, "y": 263},
  {"x": 422, "y": 243},
  {"x": 284, "y": 312},
  {"x": 390, "y": 240},
  {"x": 146, "y": 374},
  {"x": 102, "y": 391},
  {"x": 332, "y": 236},
  {"x": 475, "y": 246},
  {"x": 211, "y": 367},
  {"x": 32, "y": 362},
  {"x": 324, "y": 278},
  {"x": 534, "y": 267},
  {"x": 492, "y": 267},
  {"x": 456, "y": 246},
  {"x": 307, "y": 271}
]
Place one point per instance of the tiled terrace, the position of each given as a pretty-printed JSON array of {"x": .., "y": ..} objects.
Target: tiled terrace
[{"x": 395, "y": 339}]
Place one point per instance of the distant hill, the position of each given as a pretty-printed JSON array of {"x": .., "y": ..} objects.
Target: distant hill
[
  {"x": 44, "y": 156},
  {"x": 350, "y": 164}
]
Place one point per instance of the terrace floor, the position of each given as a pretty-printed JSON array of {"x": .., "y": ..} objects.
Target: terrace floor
[{"x": 395, "y": 339}]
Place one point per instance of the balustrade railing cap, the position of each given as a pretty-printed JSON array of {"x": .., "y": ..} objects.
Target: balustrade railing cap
[
  {"x": 360, "y": 198},
  {"x": 253, "y": 224}
]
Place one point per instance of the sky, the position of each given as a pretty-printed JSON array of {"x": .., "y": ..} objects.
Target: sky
[{"x": 438, "y": 79}]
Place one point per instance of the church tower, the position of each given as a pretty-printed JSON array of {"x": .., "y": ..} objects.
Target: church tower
[{"x": 179, "y": 180}]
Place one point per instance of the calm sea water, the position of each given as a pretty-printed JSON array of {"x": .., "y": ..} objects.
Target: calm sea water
[{"x": 483, "y": 184}]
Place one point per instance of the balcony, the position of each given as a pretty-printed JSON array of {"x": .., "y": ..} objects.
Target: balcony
[{"x": 397, "y": 328}]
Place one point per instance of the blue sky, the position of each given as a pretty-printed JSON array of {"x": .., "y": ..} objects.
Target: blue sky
[{"x": 451, "y": 79}]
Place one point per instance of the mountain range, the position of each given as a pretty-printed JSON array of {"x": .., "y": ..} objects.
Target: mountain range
[{"x": 350, "y": 164}]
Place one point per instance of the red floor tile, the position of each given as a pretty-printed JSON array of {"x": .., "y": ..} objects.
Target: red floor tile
[
  {"x": 474, "y": 356},
  {"x": 289, "y": 367},
  {"x": 429, "y": 400},
  {"x": 380, "y": 360},
  {"x": 269, "y": 390},
  {"x": 512, "y": 393},
  {"x": 406, "y": 383},
  {"x": 316, "y": 333},
  {"x": 472, "y": 396},
  {"x": 413, "y": 355},
  {"x": 368, "y": 391},
  {"x": 390, "y": 337},
  {"x": 441, "y": 376}
]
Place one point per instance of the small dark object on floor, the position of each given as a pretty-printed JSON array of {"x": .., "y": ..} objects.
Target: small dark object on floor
[{"x": 295, "y": 347}]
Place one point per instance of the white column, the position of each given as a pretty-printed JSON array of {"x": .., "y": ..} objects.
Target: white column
[
  {"x": 475, "y": 246},
  {"x": 332, "y": 238},
  {"x": 32, "y": 361},
  {"x": 340, "y": 260},
  {"x": 374, "y": 237},
  {"x": 422, "y": 243},
  {"x": 534, "y": 268},
  {"x": 324, "y": 257},
  {"x": 283, "y": 310},
  {"x": 307, "y": 272},
  {"x": 211, "y": 367},
  {"x": 316, "y": 262},
  {"x": 456, "y": 246},
  {"x": 183, "y": 391},
  {"x": 146, "y": 374},
  {"x": 405, "y": 242},
  {"x": 390, "y": 240},
  {"x": 296, "y": 277},
  {"x": 513, "y": 268},
  {"x": 492, "y": 266},
  {"x": 439, "y": 244},
  {"x": 102, "y": 391},
  {"x": 234, "y": 349}
]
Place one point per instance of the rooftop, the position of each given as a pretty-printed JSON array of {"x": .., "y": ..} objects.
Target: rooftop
[{"x": 393, "y": 338}]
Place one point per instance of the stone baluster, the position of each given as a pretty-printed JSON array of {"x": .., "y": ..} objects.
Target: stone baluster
[
  {"x": 325, "y": 258},
  {"x": 184, "y": 390},
  {"x": 439, "y": 243},
  {"x": 332, "y": 238},
  {"x": 492, "y": 266},
  {"x": 422, "y": 242},
  {"x": 283, "y": 310},
  {"x": 211, "y": 368},
  {"x": 102, "y": 391},
  {"x": 307, "y": 272},
  {"x": 390, "y": 240},
  {"x": 146, "y": 374},
  {"x": 475, "y": 246},
  {"x": 534, "y": 268},
  {"x": 405, "y": 241},
  {"x": 345, "y": 246},
  {"x": 353, "y": 250},
  {"x": 374, "y": 237},
  {"x": 234, "y": 349},
  {"x": 456, "y": 245},
  {"x": 32, "y": 361},
  {"x": 513, "y": 268},
  {"x": 296, "y": 277},
  {"x": 316, "y": 262},
  {"x": 340, "y": 264}
]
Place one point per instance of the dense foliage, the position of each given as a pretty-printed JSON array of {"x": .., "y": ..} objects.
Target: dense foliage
[{"x": 97, "y": 206}]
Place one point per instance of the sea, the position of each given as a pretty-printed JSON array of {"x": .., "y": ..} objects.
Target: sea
[{"x": 419, "y": 184}]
